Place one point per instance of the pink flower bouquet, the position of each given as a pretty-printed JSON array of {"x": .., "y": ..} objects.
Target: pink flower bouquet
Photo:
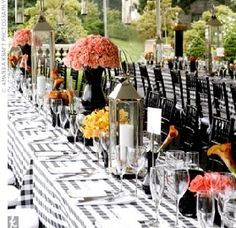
[
  {"x": 93, "y": 51},
  {"x": 211, "y": 182},
  {"x": 24, "y": 36}
]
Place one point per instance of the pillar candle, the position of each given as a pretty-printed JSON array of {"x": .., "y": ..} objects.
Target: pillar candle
[
  {"x": 41, "y": 85},
  {"x": 126, "y": 139}
]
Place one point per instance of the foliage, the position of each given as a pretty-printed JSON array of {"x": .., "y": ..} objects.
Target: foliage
[
  {"x": 116, "y": 29},
  {"x": 141, "y": 6},
  {"x": 230, "y": 44},
  {"x": 196, "y": 48},
  {"x": 92, "y": 22},
  {"x": 146, "y": 25}
]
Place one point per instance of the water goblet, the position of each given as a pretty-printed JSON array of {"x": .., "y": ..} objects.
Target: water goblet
[
  {"x": 136, "y": 160},
  {"x": 181, "y": 183},
  {"x": 157, "y": 185},
  {"x": 121, "y": 164},
  {"x": 205, "y": 209},
  {"x": 192, "y": 159},
  {"x": 175, "y": 159},
  {"x": 54, "y": 104}
]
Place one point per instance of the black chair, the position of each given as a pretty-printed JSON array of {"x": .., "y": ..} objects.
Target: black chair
[
  {"x": 74, "y": 74},
  {"x": 221, "y": 103},
  {"x": 222, "y": 131},
  {"x": 62, "y": 70},
  {"x": 190, "y": 131},
  {"x": 191, "y": 89},
  {"x": 145, "y": 79},
  {"x": 159, "y": 81},
  {"x": 132, "y": 74},
  {"x": 233, "y": 93},
  {"x": 168, "y": 109},
  {"x": 177, "y": 88},
  {"x": 204, "y": 101}
]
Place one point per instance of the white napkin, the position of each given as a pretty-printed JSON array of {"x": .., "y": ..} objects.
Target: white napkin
[
  {"x": 124, "y": 213},
  {"x": 117, "y": 223},
  {"x": 73, "y": 168},
  {"x": 28, "y": 126},
  {"x": 82, "y": 193},
  {"x": 126, "y": 199},
  {"x": 95, "y": 176},
  {"x": 39, "y": 137}
]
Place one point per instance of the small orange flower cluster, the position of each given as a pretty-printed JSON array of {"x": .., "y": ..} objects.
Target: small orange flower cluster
[
  {"x": 98, "y": 121},
  {"x": 14, "y": 60}
]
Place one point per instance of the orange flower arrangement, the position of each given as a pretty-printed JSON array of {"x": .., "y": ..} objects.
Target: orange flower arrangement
[
  {"x": 98, "y": 120},
  {"x": 14, "y": 60},
  {"x": 224, "y": 151},
  {"x": 173, "y": 133}
]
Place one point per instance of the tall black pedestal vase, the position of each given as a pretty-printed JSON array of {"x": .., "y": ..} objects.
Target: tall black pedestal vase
[{"x": 93, "y": 96}]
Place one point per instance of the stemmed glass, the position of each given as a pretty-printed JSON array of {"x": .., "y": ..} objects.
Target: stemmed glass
[
  {"x": 136, "y": 159},
  {"x": 157, "y": 185},
  {"x": 73, "y": 125},
  {"x": 205, "y": 209},
  {"x": 63, "y": 110},
  {"x": 121, "y": 164},
  {"x": 54, "y": 104},
  {"x": 181, "y": 183},
  {"x": 192, "y": 159},
  {"x": 97, "y": 143},
  {"x": 105, "y": 142}
]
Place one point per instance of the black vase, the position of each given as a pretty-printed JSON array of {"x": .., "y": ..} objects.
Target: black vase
[
  {"x": 26, "y": 49},
  {"x": 93, "y": 96},
  {"x": 187, "y": 204}
]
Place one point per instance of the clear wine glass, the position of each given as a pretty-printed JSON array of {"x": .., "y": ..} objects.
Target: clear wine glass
[
  {"x": 205, "y": 209},
  {"x": 226, "y": 197},
  {"x": 136, "y": 160},
  {"x": 181, "y": 183},
  {"x": 62, "y": 115},
  {"x": 121, "y": 164},
  {"x": 73, "y": 125},
  {"x": 157, "y": 185},
  {"x": 97, "y": 144},
  {"x": 105, "y": 142},
  {"x": 175, "y": 159},
  {"x": 54, "y": 104}
]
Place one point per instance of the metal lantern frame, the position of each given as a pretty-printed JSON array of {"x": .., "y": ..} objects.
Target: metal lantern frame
[
  {"x": 19, "y": 11},
  {"x": 43, "y": 55},
  {"x": 213, "y": 31},
  {"x": 125, "y": 97}
]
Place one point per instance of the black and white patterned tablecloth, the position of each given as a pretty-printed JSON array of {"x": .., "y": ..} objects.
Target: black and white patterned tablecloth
[{"x": 50, "y": 198}]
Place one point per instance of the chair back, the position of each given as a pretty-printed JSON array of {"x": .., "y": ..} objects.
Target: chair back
[
  {"x": 190, "y": 130},
  {"x": 177, "y": 87},
  {"x": 75, "y": 78},
  {"x": 132, "y": 74},
  {"x": 233, "y": 93},
  {"x": 191, "y": 88},
  {"x": 145, "y": 79},
  {"x": 62, "y": 70},
  {"x": 204, "y": 99},
  {"x": 168, "y": 109},
  {"x": 221, "y": 103},
  {"x": 159, "y": 81}
]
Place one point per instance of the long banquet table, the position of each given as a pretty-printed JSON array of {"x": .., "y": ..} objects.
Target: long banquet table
[{"x": 32, "y": 162}]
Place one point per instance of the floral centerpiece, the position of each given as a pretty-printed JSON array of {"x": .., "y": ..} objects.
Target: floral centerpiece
[
  {"x": 98, "y": 120},
  {"x": 92, "y": 54},
  {"x": 23, "y": 39},
  {"x": 93, "y": 51}
]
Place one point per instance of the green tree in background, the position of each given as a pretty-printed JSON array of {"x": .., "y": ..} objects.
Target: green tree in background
[{"x": 92, "y": 22}]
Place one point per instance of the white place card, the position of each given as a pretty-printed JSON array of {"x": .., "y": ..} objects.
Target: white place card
[{"x": 154, "y": 120}]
